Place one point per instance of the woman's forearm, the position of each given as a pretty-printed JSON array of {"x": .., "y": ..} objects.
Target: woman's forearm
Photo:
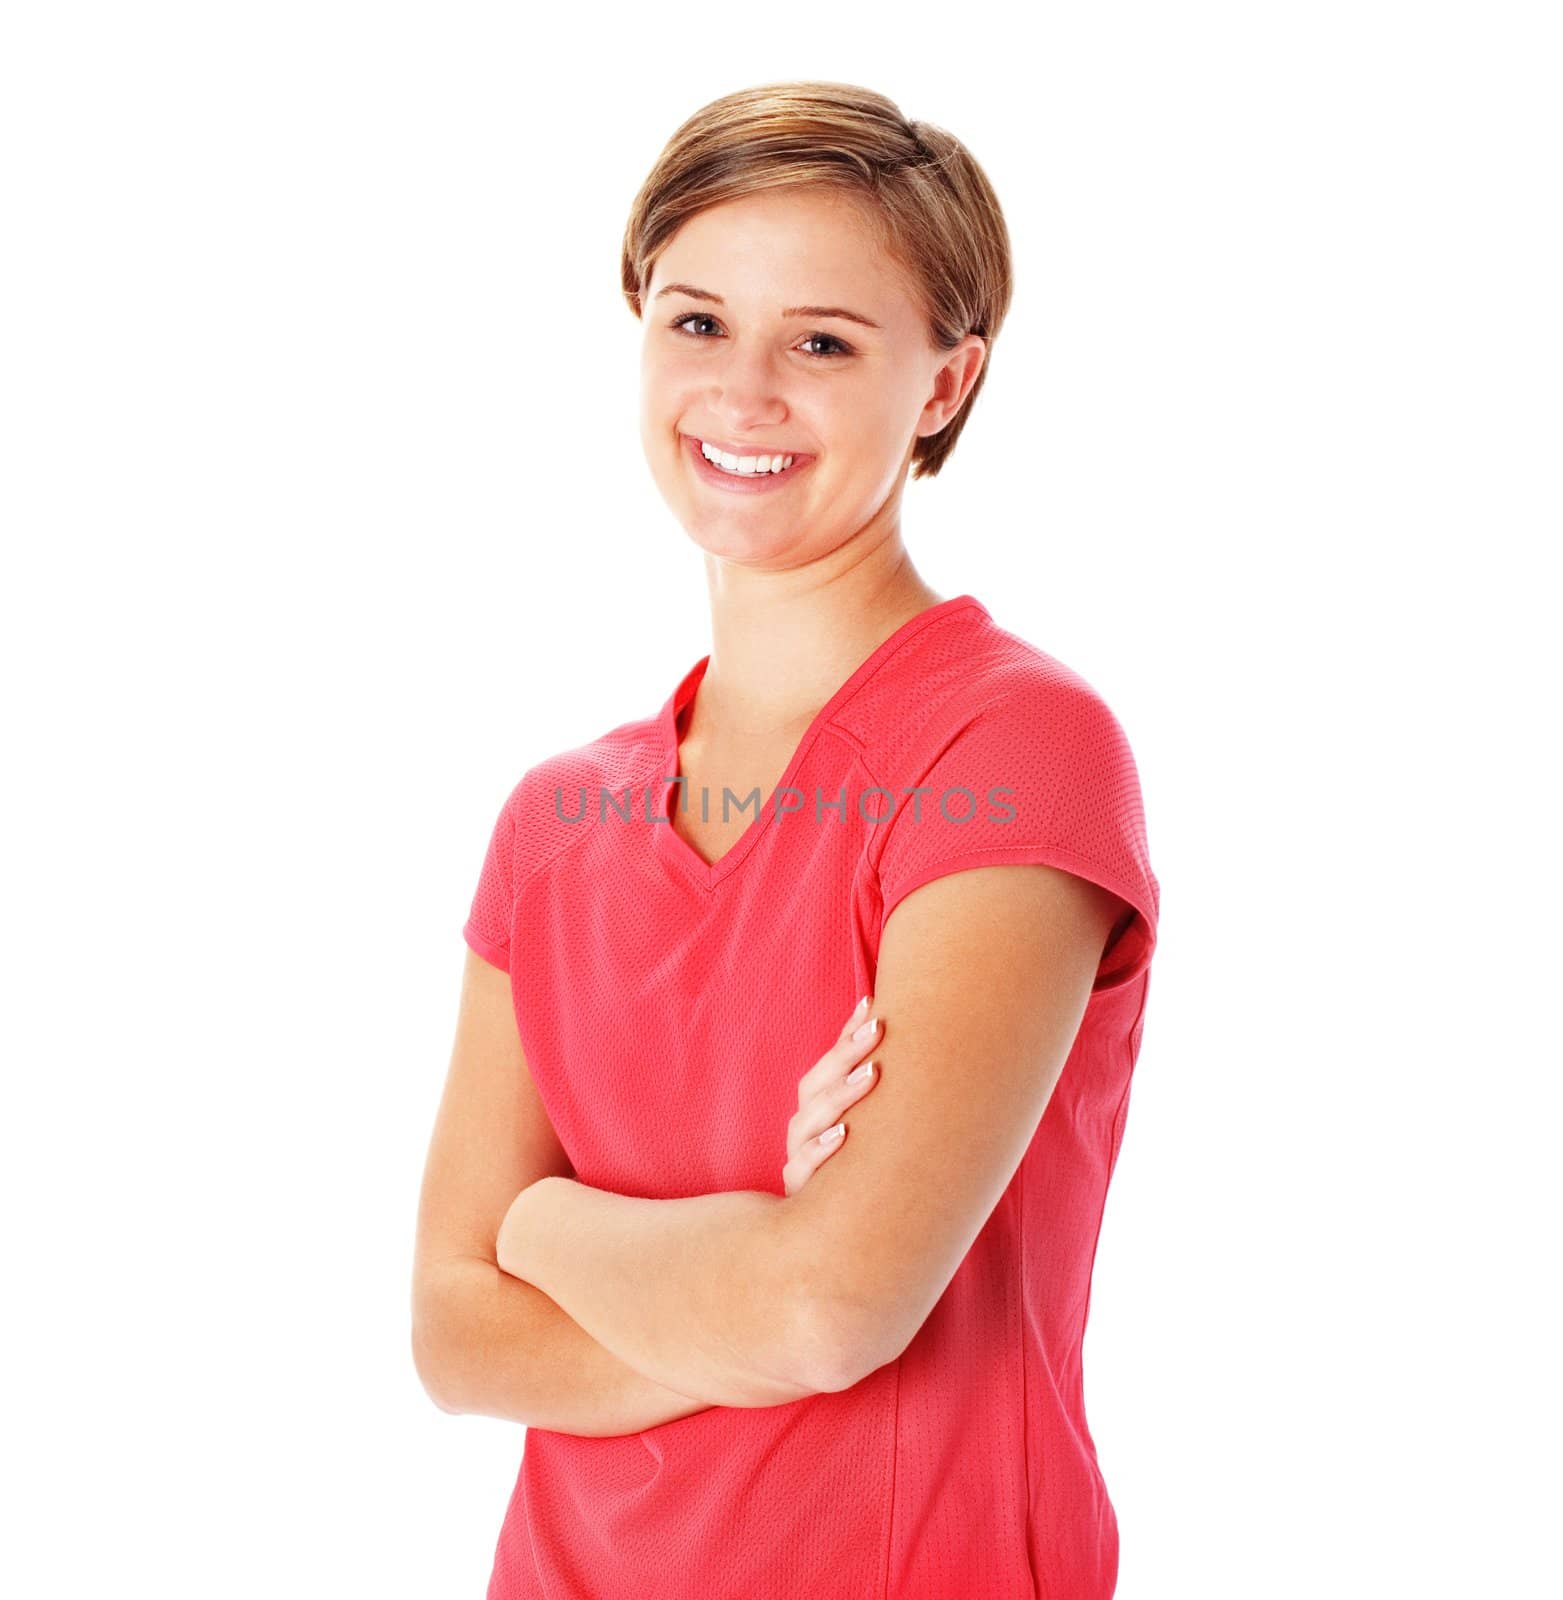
[
  {"x": 702, "y": 1292},
  {"x": 498, "y": 1347}
]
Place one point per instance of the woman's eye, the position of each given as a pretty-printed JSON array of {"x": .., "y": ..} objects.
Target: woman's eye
[{"x": 838, "y": 347}]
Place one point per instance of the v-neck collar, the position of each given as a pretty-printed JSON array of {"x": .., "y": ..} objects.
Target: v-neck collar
[{"x": 677, "y": 851}]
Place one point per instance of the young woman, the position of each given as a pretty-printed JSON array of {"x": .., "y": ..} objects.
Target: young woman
[{"x": 775, "y": 1329}]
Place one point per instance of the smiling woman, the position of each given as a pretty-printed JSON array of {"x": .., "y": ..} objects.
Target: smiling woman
[{"x": 754, "y": 1359}]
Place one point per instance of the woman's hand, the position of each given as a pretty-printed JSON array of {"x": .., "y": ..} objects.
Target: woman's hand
[
  {"x": 521, "y": 1222},
  {"x": 824, "y": 1092}
]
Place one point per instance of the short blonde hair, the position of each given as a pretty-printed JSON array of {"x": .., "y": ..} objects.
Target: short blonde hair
[{"x": 930, "y": 204}]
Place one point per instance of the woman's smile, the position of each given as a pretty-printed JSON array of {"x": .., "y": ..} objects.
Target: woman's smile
[{"x": 738, "y": 482}]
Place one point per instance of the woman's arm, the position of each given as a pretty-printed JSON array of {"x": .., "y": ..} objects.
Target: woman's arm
[
  {"x": 703, "y": 1293},
  {"x": 748, "y": 1298},
  {"x": 700, "y": 1292},
  {"x": 482, "y": 1341},
  {"x": 507, "y": 1350},
  {"x": 631, "y": 1262}
]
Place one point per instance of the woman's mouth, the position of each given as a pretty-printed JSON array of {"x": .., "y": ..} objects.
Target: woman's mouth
[{"x": 744, "y": 478}]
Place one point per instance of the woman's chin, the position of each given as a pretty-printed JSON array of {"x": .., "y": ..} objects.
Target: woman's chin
[{"x": 734, "y": 537}]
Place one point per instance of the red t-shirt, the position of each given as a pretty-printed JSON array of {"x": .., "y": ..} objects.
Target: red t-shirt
[{"x": 668, "y": 1007}]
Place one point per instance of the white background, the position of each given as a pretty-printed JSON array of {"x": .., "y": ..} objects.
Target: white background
[{"x": 325, "y": 516}]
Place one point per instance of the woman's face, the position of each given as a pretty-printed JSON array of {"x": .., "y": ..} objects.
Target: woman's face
[{"x": 731, "y": 357}]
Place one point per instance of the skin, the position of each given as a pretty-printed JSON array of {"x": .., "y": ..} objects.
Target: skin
[{"x": 656, "y": 1308}]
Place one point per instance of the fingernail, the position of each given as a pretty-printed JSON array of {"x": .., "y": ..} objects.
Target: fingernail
[
  {"x": 858, "y": 1074},
  {"x": 857, "y": 1010},
  {"x": 833, "y": 1135},
  {"x": 866, "y": 1031}
]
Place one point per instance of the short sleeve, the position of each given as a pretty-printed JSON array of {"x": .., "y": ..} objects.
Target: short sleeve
[
  {"x": 1042, "y": 775},
  {"x": 487, "y": 929}
]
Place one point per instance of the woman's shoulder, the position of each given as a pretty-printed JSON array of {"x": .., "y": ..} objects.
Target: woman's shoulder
[
  {"x": 545, "y": 804},
  {"x": 976, "y": 685}
]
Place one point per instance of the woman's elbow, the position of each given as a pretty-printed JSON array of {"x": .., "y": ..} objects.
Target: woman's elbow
[{"x": 436, "y": 1342}]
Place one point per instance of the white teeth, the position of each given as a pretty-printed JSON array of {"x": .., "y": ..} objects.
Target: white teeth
[{"x": 744, "y": 466}]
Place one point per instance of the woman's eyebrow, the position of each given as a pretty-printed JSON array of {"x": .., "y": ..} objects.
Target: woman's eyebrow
[{"x": 791, "y": 311}]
